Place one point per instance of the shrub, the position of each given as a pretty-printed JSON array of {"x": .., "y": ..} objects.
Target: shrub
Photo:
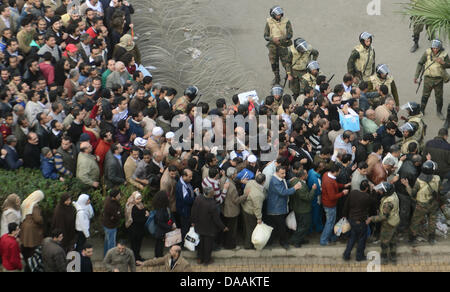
[{"x": 25, "y": 181}]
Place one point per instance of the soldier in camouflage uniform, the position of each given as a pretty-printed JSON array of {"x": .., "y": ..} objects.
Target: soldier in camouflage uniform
[
  {"x": 408, "y": 130},
  {"x": 277, "y": 93},
  {"x": 190, "y": 94},
  {"x": 416, "y": 117},
  {"x": 383, "y": 77},
  {"x": 361, "y": 63},
  {"x": 278, "y": 33},
  {"x": 426, "y": 193},
  {"x": 310, "y": 78},
  {"x": 433, "y": 65},
  {"x": 298, "y": 57},
  {"x": 389, "y": 216},
  {"x": 417, "y": 29}
]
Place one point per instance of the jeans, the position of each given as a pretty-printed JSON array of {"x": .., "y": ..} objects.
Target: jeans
[
  {"x": 110, "y": 239},
  {"x": 328, "y": 233},
  {"x": 358, "y": 234}
]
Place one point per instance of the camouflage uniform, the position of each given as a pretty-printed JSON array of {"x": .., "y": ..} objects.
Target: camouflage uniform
[
  {"x": 434, "y": 77},
  {"x": 426, "y": 206},
  {"x": 277, "y": 52},
  {"x": 361, "y": 63},
  {"x": 375, "y": 81},
  {"x": 307, "y": 80},
  {"x": 296, "y": 64},
  {"x": 389, "y": 216}
]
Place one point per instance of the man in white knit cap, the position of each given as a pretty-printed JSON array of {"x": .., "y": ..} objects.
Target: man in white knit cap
[{"x": 154, "y": 142}]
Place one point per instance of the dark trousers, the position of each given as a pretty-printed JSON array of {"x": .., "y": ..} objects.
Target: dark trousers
[
  {"x": 249, "y": 224},
  {"x": 205, "y": 248},
  {"x": 229, "y": 241},
  {"x": 159, "y": 247},
  {"x": 358, "y": 234},
  {"x": 27, "y": 252},
  {"x": 136, "y": 243},
  {"x": 185, "y": 224},
  {"x": 81, "y": 240},
  {"x": 303, "y": 225},
  {"x": 278, "y": 222}
]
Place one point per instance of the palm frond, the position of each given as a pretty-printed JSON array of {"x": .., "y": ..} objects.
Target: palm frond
[{"x": 435, "y": 14}]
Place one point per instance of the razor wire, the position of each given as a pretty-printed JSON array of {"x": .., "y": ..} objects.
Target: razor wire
[{"x": 185, "y": 49}]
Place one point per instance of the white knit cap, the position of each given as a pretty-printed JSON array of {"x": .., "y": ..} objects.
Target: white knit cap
[
  {"x": 170, "y": 135},
  {"x": 252, "y": 159},
  {"x": 233, "y": 155},
  {"x": 140, "y": 142},
  {"x": 157, "y": 131}
]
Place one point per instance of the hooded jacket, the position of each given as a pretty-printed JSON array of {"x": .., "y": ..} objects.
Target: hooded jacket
[{"x": 85, "y": 213}]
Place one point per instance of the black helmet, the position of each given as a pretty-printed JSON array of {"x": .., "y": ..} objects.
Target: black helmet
[
  {"x": 364, "y": 36},
  {"x": 429, "y": 167},
  {"x": 301, "y": 45},
  {"x": 382, "y": 69},
  {"x": 412, "y": 107},
  {"x": 386, "y": 188},
  {"x": 275, "y": 11},
  {"x": 191, "y": 92},
  {"x": 436, "y": 44}
]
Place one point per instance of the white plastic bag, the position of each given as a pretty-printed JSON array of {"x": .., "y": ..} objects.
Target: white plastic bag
[
  {"x": 191, "y": 240},
  {"x": 341, "y": 227},
  {"x": 291, "y": 222},
  {"x": 261, "y": 235}
]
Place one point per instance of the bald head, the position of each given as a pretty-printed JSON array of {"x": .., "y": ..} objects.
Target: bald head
[
  {"x": 119, "y": 66},
  {"x": 370, "y": 114},
  {"x": 158, "y": 156},
  {"x": 85, "y": 147},
  {"x": 175, "y": 252}
]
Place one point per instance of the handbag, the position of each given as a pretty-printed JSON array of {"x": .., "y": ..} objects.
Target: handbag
[
  {"x": 172, "y": 237},
  {"x": 191, "y": 240}
]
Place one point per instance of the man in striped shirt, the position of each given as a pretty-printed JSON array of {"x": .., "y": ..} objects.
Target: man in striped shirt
[
  {"x": 65, "y": 158},
  {"x": 212, "y": 181},
  {"x": 315, "y": 140}
]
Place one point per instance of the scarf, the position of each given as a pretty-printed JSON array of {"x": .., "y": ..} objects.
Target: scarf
[
  {"x": 81, "y": 205},
  {"x": 31, "y": 201},
  {"x": 124, "y": 40},
  {"x": 11, "y": 203},
  {"x": 131, "y": 202},
  {"x": 97, "y": 7}
]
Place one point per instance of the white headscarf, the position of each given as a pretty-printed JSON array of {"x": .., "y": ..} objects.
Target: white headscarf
[
  {"x": 31, "y": 201},
  {"x": 81, "y": 205}
]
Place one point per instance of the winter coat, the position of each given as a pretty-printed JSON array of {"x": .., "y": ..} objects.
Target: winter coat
[
  {"x": 255, "y": 199},
  {"x": 232, "y": 203},
  {"x": 87, "y": 169},
  {"x": 181, "y": 264},
  {"x": 48, "y": 168},
  {"x": 205, "y": 216},
  {"x": 163, "y": 220},
  {"x": 184, "y": 203},
  {"x": 277, "y": 196},
  {"x": 111, "y": 213},
  {"x": 301, "y": 200},
  {"x": 53, "y": 257},
  {"x": 114, "y": 174},
  {"x": 32, "y": 229},
  {"x": 439, "y": 149}
]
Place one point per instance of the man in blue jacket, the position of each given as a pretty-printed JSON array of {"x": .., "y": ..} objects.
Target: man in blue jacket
[
  {"x": 185, "y": 197},
  {"x": 12, "y": 160},
  {"x": 277, "y": 204},
  {"x": 48, "y": 168}
]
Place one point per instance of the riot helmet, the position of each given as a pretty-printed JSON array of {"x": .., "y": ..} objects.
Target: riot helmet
[
  {"x": 386, "y": 188},
  {"x": 382, "y": 69},
  {"x": 191, "y": 92},
  {"x": 275, "y": 11},
  {"x": 277, "y": 90},
  {"x": 301, "y": 45},
  {"x": 313, "y": 65},
  {"x": 412, "y": 107},
  {"x": 429, "y": 167},
  {"x": 364, "y": 36},
  {"x": 436, "y": 44}
]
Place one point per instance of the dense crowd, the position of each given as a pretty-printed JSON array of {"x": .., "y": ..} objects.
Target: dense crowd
[{"x": 76, "y": 102}]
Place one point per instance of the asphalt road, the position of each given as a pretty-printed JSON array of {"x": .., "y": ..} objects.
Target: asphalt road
[{"x": 332, "y": 27}]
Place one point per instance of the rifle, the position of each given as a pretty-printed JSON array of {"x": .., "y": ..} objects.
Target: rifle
[
  {"x": 331, "y": 78},
  {"x": 285, "y": 80},
  {"x": 421, "y": 75}
]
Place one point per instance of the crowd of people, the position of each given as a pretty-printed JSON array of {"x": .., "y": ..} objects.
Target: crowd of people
[{"x": 76, "y": 102}]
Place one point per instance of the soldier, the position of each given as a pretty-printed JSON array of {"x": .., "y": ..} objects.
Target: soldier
[
  {"x": 278, "y": 33},
  {"x": 426, "y": 194},
  {"x": 383, "y": 77},
  {"x": 408, "y": 130},
  {"x": 390, "y": 217},
  {"x": 309, "y": 79},
  {"x": 361, "y": 63},
  {"x": 414, "y": 115},
  {"x": 277, "y": 93},
  {"x": 432, "y": 65},
  {"x": 417, "y": 29},
  {"x": 190, "y": 94},
  {"x": 298, "y": 57}
]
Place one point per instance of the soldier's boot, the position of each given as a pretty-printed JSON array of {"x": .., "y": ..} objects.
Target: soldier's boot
[
  {"x": 431, "y": 239},
  {"x": 439, "y": 112},
  {"x": 423, "y": 104},
  {"x": 447, "y": 121},
  {"x": 384, "y": 254},
  {"x": 393, "y": 253},
  {"x": 415, "y": 46}
]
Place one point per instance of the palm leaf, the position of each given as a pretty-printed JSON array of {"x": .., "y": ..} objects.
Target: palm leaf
[{"x": 435, "y": 14}]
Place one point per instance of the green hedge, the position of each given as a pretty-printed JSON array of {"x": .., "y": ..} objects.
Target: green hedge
[{"x": 25, "y": 181}]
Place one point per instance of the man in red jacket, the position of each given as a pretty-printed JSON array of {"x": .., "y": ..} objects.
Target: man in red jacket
[
  {"x": 330, "y": 196},
  {"x": 10, "y": 250}
]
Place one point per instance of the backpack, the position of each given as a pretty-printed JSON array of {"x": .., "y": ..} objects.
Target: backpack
[
  {"x": 35, "y": 261},
  {"x": 150, "y": 225}
]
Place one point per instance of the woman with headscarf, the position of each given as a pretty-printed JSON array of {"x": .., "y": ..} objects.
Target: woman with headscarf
[
  {"x": 164, "y": 221},
  {"x": 64, "y": 219},
  {"x": 85, "y": 213},
  {"x": 135, "y": 217},
  {"x": 11, "y": 212},
  {"x": 127, "y": 45},
  {"x": 32, "y": 228}
]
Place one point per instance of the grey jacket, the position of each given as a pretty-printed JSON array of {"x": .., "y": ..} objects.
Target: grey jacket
[
  {"x": 53, "y": 256},
  {"x": 115, "y": 260},
  {"x": 114, "y": 174}
]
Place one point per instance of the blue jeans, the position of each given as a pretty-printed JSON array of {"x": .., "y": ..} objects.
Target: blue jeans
[
  {"x": 358, "y": 234},
  {"x": 328, "y": 233},
  {"x": 110, "y": 239}
]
